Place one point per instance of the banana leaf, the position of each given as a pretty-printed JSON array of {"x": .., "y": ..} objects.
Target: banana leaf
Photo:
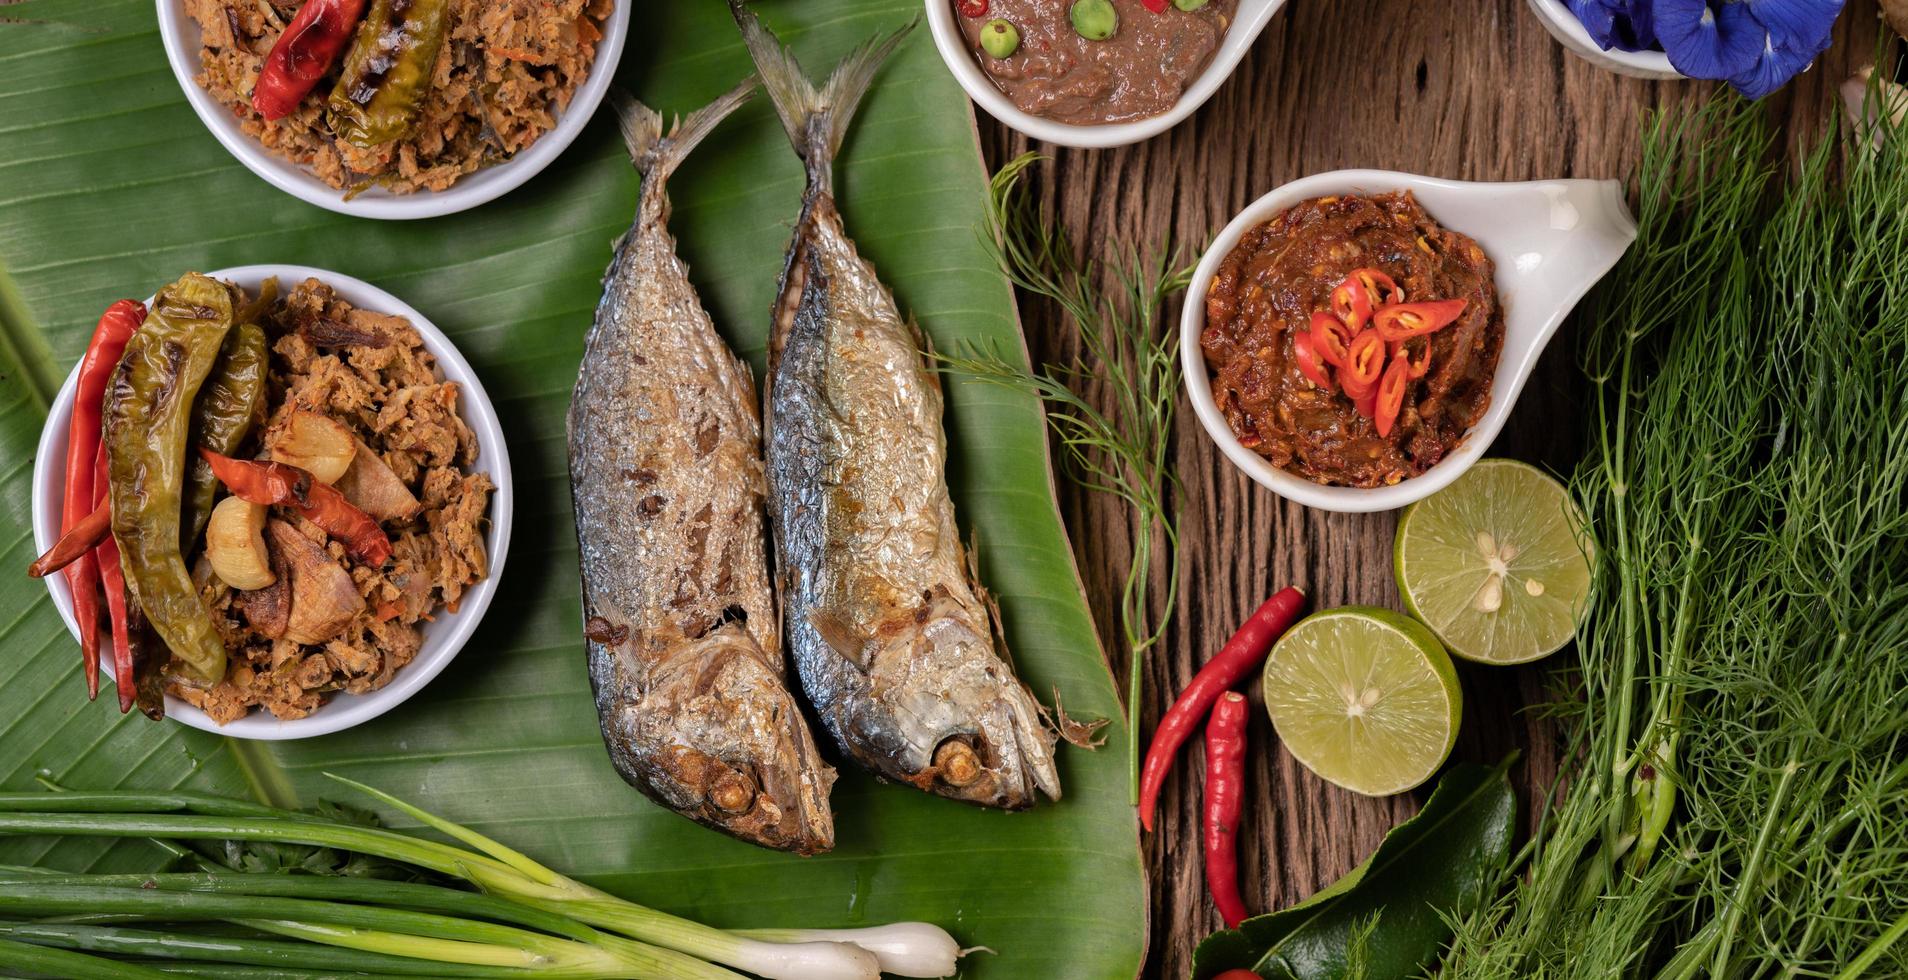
[{"x": 110, "y": 186}]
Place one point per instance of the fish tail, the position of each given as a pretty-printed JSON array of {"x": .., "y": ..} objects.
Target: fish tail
[
  {"x": 657, "y": 155},
  {"x": 816, "y": 120}
]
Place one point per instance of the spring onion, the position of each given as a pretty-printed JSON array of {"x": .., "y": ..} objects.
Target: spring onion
[{"x": 528, "y": 921}]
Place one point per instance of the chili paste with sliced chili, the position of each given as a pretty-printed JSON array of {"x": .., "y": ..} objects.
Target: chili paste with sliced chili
[{"x": 1282, "y": 272}]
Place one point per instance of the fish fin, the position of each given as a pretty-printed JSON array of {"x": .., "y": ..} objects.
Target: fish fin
[
  {"x": 657, "y": 155},
  {"x": 816, "y": 121},
  {"x": 839, "y": 636}
]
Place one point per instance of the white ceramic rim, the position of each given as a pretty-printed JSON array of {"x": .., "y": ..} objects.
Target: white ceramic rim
[
  {"x": 443, "y": 639},
  {"x": 180, "y": 36},
  {"x": 1570, "y": 32},
  {"x": 1513, "y": 368},
  {"x": 1252, "y": 17}
]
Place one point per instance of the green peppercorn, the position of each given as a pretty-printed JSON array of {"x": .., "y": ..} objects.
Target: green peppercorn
[
  {"x": 999, "y": 38},
  {"x": 1189, "y": 4},
  {"x": 1095, "y": 20}
]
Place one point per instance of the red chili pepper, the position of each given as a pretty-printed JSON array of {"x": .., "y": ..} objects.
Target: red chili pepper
[
  {"x": 1156, "y": 6},
  {"x": 1331, "y": 338},
  {"x": 279, "y": 483},
  {"x": 1351, "y": 303},
  {"x": 1225, "y": 799},
  {"x": 102, "y": 356},
  {"x": 1380, "y": 288},
  {"x": 1391, "y": 392},
  {"x": 1364, "y": 363},
  {"x": 1240, "y": 656},
  {"x": 1367, "y": 402},
  {"x": 1415, "y": 367},
  {"x": 1305, "y": 353},
  {"x": 1238, "y": 975},
  {"x": 972, "y": 8},
  {"x": 309, "y": 46},
  {"x": 113, "y": 579},
  {"x": 1407, "y": 320},
  {"x": 78, "y": 542}
]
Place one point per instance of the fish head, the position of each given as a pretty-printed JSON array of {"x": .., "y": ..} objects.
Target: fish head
[
  {"x": 725, "y": 744},
  {"x": 956, "y": 720}
]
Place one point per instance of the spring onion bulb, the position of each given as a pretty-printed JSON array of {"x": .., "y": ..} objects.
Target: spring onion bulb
[{"x": 905, "y": 949}]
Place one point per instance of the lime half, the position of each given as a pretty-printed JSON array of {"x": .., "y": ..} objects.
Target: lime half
[
  {"x": 1365, "y": 698},
  {"x": 1492, "y": 564}
]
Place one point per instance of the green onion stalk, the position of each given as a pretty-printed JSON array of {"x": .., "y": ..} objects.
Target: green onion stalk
[
  {"x": 529, "y": 920},
  {"x": 1738, "y": 805},
  {"x": 1124, "y": 448}
]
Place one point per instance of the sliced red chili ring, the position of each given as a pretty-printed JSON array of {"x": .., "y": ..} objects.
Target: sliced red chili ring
[
  {"x": 1364, "y": 362},
  {"x": 971, "y": 8},
  {"x": 1404, "y": 321},
  {"x": 1367, "y": 403},
  {"x": 1305, "y": 353},
  {"x": 1156, "y": 6},
  {"x": 1417, "y": 364},
  {"x": 1391, "y": 392},
  {"x": 1351, "y": 303},
  {"x": 1331, "y": 337},
  {"x": 1380, "y": 288}
]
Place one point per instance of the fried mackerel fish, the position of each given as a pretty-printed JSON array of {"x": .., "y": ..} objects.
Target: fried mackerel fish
[
  {"x": 893, "y": 641},
  {"x": 666, "y": 472}
]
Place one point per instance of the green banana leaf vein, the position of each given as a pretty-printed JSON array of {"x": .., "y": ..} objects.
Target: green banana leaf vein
[{"x": 109, "y": 186}]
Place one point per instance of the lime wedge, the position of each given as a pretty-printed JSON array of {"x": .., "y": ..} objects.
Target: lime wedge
[
  {"x": 1365, "y": 698},
  {"x": 1493, "y": 565}
]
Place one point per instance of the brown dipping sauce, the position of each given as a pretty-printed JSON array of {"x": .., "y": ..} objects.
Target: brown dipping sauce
[
  {"x": 1284, "y": 270},
  {"x": 1139, "y": 72}
]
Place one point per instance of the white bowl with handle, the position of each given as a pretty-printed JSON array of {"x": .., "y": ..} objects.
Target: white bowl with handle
[
  {"x": 1249, "y": 22},
  {"x": 1570, "y": 32},
  {"x": 1551, "y": 240},
  {"x": 443, "y": 638}
]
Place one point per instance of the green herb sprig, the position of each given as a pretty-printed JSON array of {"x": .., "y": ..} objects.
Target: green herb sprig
[
  {"x": 1124, "y": 448},
  {"x": 1739, "y": 806}
]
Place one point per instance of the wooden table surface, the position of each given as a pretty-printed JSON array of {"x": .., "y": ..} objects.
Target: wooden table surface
[{"x": 1472, "y": 90}]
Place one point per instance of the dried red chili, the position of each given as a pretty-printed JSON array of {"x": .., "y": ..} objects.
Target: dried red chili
[
  {"x": 1225, "y": 799},
  {"x": 112, "y": 579},
  {"x": 76, "y": 543},
  {"x": 278, "y": 483},
  {"x": 1305, "y": 354},
  {"x": 108, "y": 345},
  {"x": 1331, "y": 338},
  {"x": 1407, "y": 320},
  {"x": 1391, "y": 392},
  {"x": 1364, "y": 363},
  {"x": 1241, "y": 655},
  {"x": 303, "y": 53},
  {"x": 971, "y": 8}
]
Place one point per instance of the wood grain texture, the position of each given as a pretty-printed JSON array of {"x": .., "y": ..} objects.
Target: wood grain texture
[{"x": 1474, "y": 90}]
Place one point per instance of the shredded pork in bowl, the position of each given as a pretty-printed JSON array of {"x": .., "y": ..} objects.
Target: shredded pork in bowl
[{"x": 366, "y": 397}]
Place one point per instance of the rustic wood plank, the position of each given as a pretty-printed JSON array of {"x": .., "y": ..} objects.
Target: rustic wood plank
[{"x": 1473, "y": 91}]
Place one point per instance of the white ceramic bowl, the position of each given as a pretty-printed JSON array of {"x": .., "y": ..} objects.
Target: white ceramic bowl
[
  {"x": 180, "y": 34},
  {"x": 1569, "y": 31},
  {"x": 1252, "y": 16},
  {"x": 442, "y": 638},
  {"x": 1551, "y": 240}
]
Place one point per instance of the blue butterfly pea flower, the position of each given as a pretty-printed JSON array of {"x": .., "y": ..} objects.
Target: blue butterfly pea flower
[
  {"x": 1621, "y": 24},
  {"x": 1710, "y": 41}
]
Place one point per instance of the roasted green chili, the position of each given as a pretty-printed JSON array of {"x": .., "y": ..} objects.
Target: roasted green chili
[
  {"x": 148, "y": 415},
  {"x": 388, "y": 71},
  {"x": 229, "y": 405}
]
